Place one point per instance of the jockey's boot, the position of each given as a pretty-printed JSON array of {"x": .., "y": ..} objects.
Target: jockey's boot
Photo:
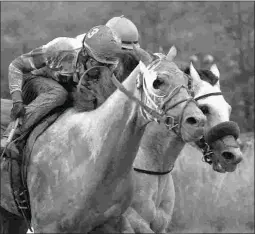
[{"x": 5, "y": 136}]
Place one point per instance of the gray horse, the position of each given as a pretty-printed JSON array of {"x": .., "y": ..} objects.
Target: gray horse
[
  {"x": 154, "y": 198},
  {"x": 80, "y": 172}
]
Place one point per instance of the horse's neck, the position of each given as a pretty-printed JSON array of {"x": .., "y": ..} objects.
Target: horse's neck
[
  {"x": 159, "y": 149},
  {"x": 118, "y": 126}
]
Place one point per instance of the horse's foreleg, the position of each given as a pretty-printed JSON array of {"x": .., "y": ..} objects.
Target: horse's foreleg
[
  {"x": 161, "y": 221},
  {"x": 165, "y": 210},
  {"x": 126, "y": 226},
  {"x": 103, "y": 229},
  {"x": 138, "y": 224},
  {"x": 115, "y": 225},
  {"x": 10, "y": 223}
]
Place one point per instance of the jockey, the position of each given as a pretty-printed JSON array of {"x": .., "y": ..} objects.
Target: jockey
[
  {"x": 37, "y": 79},
  {"x": 126, "y": 30}
]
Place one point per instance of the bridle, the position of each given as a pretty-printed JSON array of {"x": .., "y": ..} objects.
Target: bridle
[
  {"x": 151, "y": 98},
  {"x": 202, "y": 144}
]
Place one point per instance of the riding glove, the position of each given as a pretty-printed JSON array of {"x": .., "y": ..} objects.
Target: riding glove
[{"x": 18, "y": 110}]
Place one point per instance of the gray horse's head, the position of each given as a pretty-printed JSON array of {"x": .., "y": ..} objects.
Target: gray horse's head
[{"x": 220, "y": 133}]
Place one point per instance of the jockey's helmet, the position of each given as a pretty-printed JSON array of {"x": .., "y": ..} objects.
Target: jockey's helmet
[
  {"x": 126, "y": 30},
  {"x": 103, "y": 44}
]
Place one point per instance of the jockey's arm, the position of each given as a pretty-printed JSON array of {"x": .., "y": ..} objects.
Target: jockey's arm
[
  {"x": 21, "y": 65},
  {"x": 37, "y": 58}
]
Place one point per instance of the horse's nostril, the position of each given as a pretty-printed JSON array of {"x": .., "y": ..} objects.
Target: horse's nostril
[
  {"x": 191, "y": 120},
  {"x": 228, "y": 155}
]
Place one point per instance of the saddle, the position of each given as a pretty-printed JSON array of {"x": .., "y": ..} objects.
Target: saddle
[{"x": 18, "y": 164}]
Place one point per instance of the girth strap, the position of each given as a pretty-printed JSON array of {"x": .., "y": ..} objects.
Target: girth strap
[{"x": 153, "y": 172}]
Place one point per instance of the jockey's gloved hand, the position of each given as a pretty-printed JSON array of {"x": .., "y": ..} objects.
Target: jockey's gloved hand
[{"x": 18, "y": 110}]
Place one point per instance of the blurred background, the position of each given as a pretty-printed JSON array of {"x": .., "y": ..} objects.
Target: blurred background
[{"x": 205, "y": 201}]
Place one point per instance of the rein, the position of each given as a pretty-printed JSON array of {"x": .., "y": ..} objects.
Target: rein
[
  {"x": 152, "y": 112},
  {"x": 159, "y": 114}
]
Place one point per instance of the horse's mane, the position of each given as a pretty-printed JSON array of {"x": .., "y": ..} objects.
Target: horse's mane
[
  {"x": 128, "y": 62},
  {"x": 205, "y": 75},
  {"x": 94, "y": 92}
]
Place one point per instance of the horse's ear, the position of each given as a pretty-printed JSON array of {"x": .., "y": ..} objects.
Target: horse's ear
[
  {"x": 193, "y": 73},
  {"x": 142, "y": 55},
  {"x": 171, "y": 54},
  {"x": 215, "y": 71},
  {"x": 144, "y": 70}
]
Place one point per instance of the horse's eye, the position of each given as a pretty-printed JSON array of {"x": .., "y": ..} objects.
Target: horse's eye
[
  {"x": 205, "y": 109},
  {"x": 157, "y": 83}
]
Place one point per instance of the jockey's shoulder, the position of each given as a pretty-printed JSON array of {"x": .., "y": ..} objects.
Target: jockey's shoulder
[{"x": 63, "y": 44}]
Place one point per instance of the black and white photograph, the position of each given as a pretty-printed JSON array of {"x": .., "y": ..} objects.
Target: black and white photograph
[{"x": 127, "y": 117}]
